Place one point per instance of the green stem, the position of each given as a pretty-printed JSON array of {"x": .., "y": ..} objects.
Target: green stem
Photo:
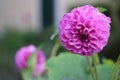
[
  {"x": 116, "y": 70},
  {"x": 54, "y": 49},
  {"x": 90, "y": 67},
  {"x": 96, "y": 58},
  {"x": 95, "y": 61}
]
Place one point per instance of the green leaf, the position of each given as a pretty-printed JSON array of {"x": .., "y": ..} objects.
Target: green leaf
[
  {"x": 68, "y": 66},
  {"x": 108, "y": 61},
  {"x": 101, "y": 9},
  {"x": 32, "y": 61},
  {"x": 26, "y": 74},
  {"x": 116, "y": 70},
  {"x": 54, "y": 34},
  {"x": 104, "y": 71}
]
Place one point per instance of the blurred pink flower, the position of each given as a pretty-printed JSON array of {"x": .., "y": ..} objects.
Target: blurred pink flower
[
  {"x": 84, "y": 30},
  {"x": 23, "y": 54}
]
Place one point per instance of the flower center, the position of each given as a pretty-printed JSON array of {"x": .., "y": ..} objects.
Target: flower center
[
  {"x": 83, "y": 37},
  {"x": 81, "y": 32}
]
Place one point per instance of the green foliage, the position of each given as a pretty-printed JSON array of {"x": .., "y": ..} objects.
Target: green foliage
[
  {"x": 54, "y": 34},
  {"x": 116, "y": 70},
  {"x": 26, "y": 74},
  {"x": 101, "y": 9},
  {"x": 107, "y": 61},
  {"x": 68, "y": 66},
  {"x": 104, "y": 71},
  {"x": 32, "y": 61}
]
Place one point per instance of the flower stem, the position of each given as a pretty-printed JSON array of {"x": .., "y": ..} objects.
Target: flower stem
[
  {"x": 96, "y": 58},
  {"x": 54, "y": 49},
  {"x": 90, "y": 67},
  {"x": 95, "y": 63}
]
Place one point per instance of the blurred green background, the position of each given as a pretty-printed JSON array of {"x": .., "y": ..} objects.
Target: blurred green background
[{"x": 11, "y": 40}]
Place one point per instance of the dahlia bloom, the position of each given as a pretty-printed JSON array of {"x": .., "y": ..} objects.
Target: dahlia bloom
[
  {"x": 22, "y": 56},
  {"x": 84, "y": 30}
]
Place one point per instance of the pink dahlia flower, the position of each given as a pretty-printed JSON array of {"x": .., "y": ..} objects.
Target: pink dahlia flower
[
  {"x": 23, "y": 54},
  {"x": 84, "y": 30}
]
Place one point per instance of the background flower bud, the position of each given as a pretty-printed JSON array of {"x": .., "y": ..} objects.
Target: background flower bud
[{"x": 29, "y": 56}]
